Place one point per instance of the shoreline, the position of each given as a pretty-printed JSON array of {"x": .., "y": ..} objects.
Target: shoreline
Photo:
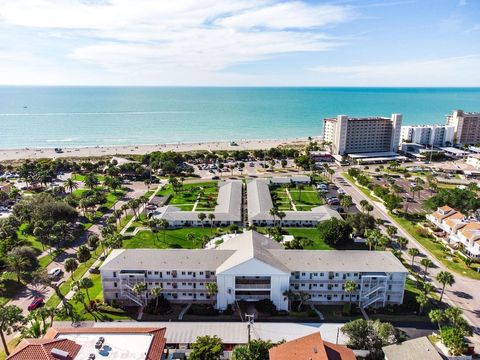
[{"x": 99, "y": 151}]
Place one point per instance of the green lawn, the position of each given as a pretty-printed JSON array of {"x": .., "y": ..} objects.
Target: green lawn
[
  {"x": 186, "y": 198},
  {"x": 306, "y": 199},
  {"x": 11, "y": 285},
  {"x": 80, "y": 177},
  {"x": 436, "y": 249},
  {"x": 95, "y": 293},
  {"x": 29, "y": 238},
  {"x": 77, "y": 274},
  {"x": 318, "y": 243},
  {"x": 174, "y": 238}
]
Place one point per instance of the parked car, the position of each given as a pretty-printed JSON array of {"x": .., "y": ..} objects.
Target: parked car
[
  {"x": 215, "y": 178},
  {"x": 36, "y": 303},
  {"x": 54, "y": 273},
  {"x": 94, "y": 270},
  {"x": 341, "y": 191}
]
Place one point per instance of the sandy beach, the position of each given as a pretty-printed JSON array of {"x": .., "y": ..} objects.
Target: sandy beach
[{"x": 96, "y": 151}]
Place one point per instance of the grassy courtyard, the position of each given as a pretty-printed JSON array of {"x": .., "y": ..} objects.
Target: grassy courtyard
[
  {"x": 205, "y": 193},
  {"x": 317, "y": 242},
  {"x": 170, "y": 239},
  {"x": 304, "y": 200}
]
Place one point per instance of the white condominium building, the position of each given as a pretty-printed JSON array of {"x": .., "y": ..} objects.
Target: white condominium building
[
  {"x": 436, "y": 135},
  {"x": 467, "y": 126},
  {"x": 227, "y": 211},
  {"x": 362, "y": 135},
  {"x": 259, "y": 204},
  {"x": 253, "y": 267}
]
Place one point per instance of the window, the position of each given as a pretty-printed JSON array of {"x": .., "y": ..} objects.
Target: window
[
  {"x": 150, "y": 283},
  {"x": 201, "y": 272},
  {"x": 183, "y": 272},
  {"x": 201, "y": 284},
  {"x": 189, "y": 273},
  {"x": 184, "y": 284},
  {"x": 168, "y": 272},
  {"x": 156, "y": 272},
  {"x": 115, "y": 284},
  {"x": 114, "y": 274},
  {"x": 303, "y": 274},
  {"x": 149, "y": 272}
]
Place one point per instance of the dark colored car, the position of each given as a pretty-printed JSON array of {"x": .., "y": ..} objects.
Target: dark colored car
[{"x": 36, "y": 303}]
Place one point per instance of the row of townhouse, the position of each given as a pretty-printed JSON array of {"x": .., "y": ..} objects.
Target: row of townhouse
[
  {"x": 459, "y": 229},
  {"x": 253, "y": 267},
  {"x": 228, "y": 210},
  {"x": 259, "y": 203}
]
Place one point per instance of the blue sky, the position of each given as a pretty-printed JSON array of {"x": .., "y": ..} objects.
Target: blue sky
[{"x": 240, "y": 42}]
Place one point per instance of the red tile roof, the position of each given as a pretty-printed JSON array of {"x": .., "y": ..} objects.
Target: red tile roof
[
  {"x": 39, "y": 349},
  {"x": 310, "y": 347}
]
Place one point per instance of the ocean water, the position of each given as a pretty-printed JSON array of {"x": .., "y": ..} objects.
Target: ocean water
[{"x": 90, "y": 116}]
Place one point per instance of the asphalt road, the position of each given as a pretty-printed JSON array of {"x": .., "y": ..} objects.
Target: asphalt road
[{"x": 465, "y": 293}]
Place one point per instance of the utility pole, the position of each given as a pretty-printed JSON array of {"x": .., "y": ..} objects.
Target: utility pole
[{"x": 250, "y": 319}]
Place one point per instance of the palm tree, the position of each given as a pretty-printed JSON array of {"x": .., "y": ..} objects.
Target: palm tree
[
  {"x": 300, "y": 187},
  {"x": 153, "y": 224},
  {"x": 445, "y": 278},
  {"x": 164, "y": 224},
  {"x": 391, "y": 231},
  {"x": 71, "y": 184},
  {"x": 71, "y": 265},
  {"x": 155, "y": 292},
  {"x": 437, "y": 316},
  {"x": 139, "y": 288},
  {"x": 191, "y": 237},
  {"x": 372, "y": 237},
  {"x": 427, "y": 263},
  {"x": 79, "y": 297},
  {"x": 290, "y": 296},
  {"x": 349, "y": 287},
  {"x": 11, "y": 320},
  {"x": 211, "y": 217},
  {"x": 413, "y": 252},
  {"x": 202, "y": 217},
  {"x": 17, "y": 264},
  {"x": 369, "y": 208},
  {"x": 402, "y": 242},
  {"x": 273, "y": 212},
  {"x": 363, "y": 204},
  {"x": 346, "y": 202},
  {"x": 86, "y": 283},
  {"x": 91, "y": 180},
  {"x": 454, "y": 314},
  {"x": 422, "y": 301},
  {"x": 428, "y": 288},
  {"x": 302, "y": 297},
  {"x": 281, "y": 215},
  {"x": 212, "y": 289}
]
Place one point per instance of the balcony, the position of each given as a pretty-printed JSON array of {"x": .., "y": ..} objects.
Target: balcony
[{"x": 252, "y": 286}]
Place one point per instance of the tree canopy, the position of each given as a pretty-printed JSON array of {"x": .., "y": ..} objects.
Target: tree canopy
[{"x": 334, "y": 231}]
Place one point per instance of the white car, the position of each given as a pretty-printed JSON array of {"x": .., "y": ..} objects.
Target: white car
[
  {"x": 55, "y": 272},
  {"x": 341, "y": 191}
]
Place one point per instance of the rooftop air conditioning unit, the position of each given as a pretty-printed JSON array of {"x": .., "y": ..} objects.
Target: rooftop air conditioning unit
[{"x": 59, "y": 354}]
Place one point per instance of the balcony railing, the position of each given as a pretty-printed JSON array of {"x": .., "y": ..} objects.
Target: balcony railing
[{"x": 252, "y": 286}]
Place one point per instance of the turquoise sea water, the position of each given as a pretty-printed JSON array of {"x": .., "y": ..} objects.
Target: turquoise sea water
[{"x": 86, "y": 116}]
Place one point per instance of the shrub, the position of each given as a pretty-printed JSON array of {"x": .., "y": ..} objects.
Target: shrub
[
  {"x": 202, "y": 310},
  {"x": 266, "y": 306}
]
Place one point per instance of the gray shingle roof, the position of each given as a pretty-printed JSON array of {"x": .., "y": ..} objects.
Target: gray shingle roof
[
  {"x": 252, "y": 245},
  {"x": 260, "y": 203},
  {"x": 420, "y": 348},
  {"x": 228, "y": 209}
]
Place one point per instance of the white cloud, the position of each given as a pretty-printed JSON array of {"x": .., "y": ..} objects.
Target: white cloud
[
  {"x": 453, "y": 71},
  {"x": 208, "y": 35}
]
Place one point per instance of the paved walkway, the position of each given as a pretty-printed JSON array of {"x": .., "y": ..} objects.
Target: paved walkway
[{"x": 294, "y": 207}]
